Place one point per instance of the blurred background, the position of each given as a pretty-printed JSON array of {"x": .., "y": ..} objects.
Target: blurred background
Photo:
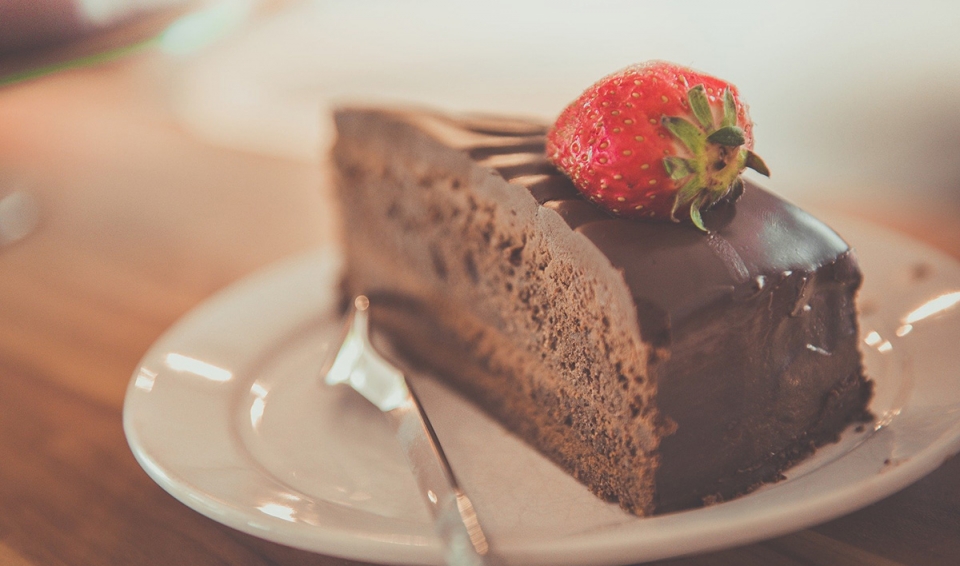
[
  {"x": 856, "y": 107},
  {"x": 845, "y": 96}
]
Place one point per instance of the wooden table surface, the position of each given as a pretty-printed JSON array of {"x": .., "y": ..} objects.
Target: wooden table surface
[{"x": 139, "y": 223}]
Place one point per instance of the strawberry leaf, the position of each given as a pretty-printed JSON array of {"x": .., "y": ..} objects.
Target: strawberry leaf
[
  {"x": 730, "y": 136},
  {"x": 687, "y": 193},
  {"x": 688, "y": 134},
  {"x": 677, "y": 167},
  {"x": 754, "y": 162},
  {"x": 695, "y": 211},
  {"x": 701, "y": 106},
  {"x": 729, "y": 109}
]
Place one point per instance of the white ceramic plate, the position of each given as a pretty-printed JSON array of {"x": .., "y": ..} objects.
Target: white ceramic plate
[{"x": 227, "y": 414}]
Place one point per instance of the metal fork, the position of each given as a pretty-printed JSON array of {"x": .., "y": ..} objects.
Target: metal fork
[{"x": 359, "y": 365}]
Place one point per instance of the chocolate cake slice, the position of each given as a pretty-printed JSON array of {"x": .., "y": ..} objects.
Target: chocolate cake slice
[{"x": 664, "y": 367}]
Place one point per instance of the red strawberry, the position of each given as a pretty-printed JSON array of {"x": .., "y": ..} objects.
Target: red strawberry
[{"x": 653, "y": 139}]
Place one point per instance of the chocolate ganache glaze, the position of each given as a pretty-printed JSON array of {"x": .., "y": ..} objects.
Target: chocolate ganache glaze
[{"x": 766, "y": 273}]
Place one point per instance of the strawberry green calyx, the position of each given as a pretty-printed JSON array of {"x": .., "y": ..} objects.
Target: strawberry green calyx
[{"x": 716, "y": 156}]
